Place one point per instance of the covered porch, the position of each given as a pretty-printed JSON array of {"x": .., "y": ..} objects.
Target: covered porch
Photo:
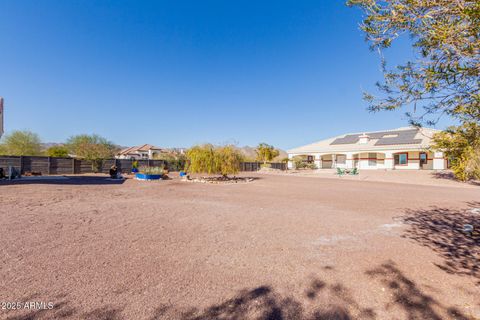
[{"x": 388, "y": 160}]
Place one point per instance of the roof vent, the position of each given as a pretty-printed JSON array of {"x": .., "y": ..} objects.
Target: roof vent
[{"x": 363, "y": 139}]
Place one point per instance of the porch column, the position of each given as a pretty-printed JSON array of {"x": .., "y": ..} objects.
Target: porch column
[
  {"x": 334, "y": 160},
  {"x": 349, "y": 161},
  {"x": 389, "y": 161},
  {"x": 318, "y": 161},
  {"x": 290, "y": 162},
  {"x": 438, "y": 161}
]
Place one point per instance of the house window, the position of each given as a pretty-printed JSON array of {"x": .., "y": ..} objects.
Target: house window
[
  {"x": 401, "y": 159},
  {"x": 341, "y": 159},
  {"x": 372, "y": 159},
  {"x": 310, "y": 159},
  {"x": 423, "y": 158}
]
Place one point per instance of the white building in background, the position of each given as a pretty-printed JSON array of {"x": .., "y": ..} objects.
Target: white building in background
[
  {"x": 403, "y": 149},
  {"x": 147, "y": 151}
]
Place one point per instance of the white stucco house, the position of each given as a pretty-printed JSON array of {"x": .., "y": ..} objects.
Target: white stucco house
[
  {"x": 146, "y": 151},
  {"x": 400, "y": 149}
]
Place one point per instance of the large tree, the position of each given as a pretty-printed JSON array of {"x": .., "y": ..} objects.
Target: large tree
[
  {"x": 21, "y": 143},
  {"x": 93, "y": 148},
  {"x": 266, "y": 152},
  {"x": 444, "y": 78},
  {"x": 209, "y": 159},
  {"x": 462, "y": 146}
]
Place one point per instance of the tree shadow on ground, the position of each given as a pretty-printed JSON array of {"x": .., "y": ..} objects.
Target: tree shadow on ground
[
  {"x": 324, "y": 301},
  {"x": 320, "y": 300},
  {"x": 441, "y": 229},
  {"x": 448, "y": 175},
  {"x": 407, "y": 296},
  {"x": 264, "y": 303}
]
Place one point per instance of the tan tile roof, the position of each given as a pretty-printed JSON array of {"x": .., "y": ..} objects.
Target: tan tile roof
[{"x": 142, "y": 148}]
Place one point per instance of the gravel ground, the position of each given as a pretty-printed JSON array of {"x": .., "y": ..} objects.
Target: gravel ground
[{"x": 280, "y": 247}]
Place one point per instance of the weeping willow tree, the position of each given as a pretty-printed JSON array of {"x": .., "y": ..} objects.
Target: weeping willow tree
[
  {"x": 228, "y": 160},
  {"x": 209, "y": 159},
  {"x": 442, "y": 79}
]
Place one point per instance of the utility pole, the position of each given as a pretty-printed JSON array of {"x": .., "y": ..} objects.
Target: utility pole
[{"x": 1, "y": 116}]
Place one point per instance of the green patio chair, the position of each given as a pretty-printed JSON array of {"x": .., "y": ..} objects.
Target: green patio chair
[
  {"x": 340, "y": 172},
  {"x": 354, "y": 172}
]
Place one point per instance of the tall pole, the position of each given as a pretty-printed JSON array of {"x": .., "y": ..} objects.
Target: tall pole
[{"x": 1, "y": 117}]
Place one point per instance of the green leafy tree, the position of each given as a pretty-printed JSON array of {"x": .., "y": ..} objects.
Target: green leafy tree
[
  {"x": 444, "y": 78},
  {"x": 21, "y": 143},
  {"x": 462, "y": 145},
  {"x": 208, "y": 159},
  {"x": 266, "y": 152},
  {"x": 93, "y": 148},
  {"x": 57, "y": 151}
]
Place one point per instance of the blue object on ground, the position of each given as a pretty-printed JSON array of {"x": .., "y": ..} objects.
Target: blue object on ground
[
  {"x": 142, "y": 176},
  {"x": 134, "y": 170},
  {"x": 182, "y": 174}
]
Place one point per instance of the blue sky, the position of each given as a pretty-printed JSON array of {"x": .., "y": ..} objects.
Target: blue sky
[{"x": 177, "y": 73}]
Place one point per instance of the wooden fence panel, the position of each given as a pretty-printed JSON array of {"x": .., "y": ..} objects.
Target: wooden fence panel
[
  {"x": 47, "y": 165},
  {"x": 107, "y": 164},
  {"x": 61, "y": 166},
  {"x": 125, "y": 165},
  {"x": 35, "y": 164},
  {"x": 83, "y": 166},
  {"x": 6, "y": 162}
]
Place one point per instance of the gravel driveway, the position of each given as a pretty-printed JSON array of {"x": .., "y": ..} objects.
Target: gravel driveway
[{"x": 279, "y": 247}]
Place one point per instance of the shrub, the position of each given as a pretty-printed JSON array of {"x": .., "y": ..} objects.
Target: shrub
[
  {"x": 151, "y": 170},
  {"x": 174, "y": 161},
  {"x": 300, "y": 163},
  {"x": 57, "y": 151}
]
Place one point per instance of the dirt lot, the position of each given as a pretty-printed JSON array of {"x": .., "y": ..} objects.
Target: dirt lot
[{"x": 278, "y": 248}]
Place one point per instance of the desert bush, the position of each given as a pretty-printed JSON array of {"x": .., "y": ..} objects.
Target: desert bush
[
  {"x": 21, "y": 143},
  {"x": 300, "y": 163},
  {"x": 93, "y": 148},
  {"x": 151, "y": 170},
  {"x": 462, "y": 145},
  {"x": 174, "y": 161},
  {"x": 57, "y": 151}
]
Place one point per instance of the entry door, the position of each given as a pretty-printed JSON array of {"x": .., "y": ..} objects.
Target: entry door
[
  {"x": 372, "y": 159},
  {"x": 423, "y": 159}
]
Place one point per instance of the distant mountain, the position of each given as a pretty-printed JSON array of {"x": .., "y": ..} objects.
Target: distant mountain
[{"x": 47, "y": 145}]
